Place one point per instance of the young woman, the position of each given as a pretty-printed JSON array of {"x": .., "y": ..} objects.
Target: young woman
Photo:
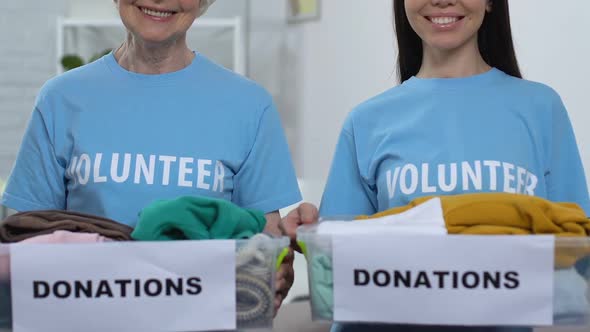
[
  {"x": 462, "y": 120},
  {"x": 155, "y": 120}
]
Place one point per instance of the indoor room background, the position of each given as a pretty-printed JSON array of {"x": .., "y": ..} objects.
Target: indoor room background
[{"x": 317, "y": 69}]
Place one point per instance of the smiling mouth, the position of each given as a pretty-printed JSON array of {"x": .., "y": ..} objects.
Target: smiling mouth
[
  {"x": 156, "y": 13},
  {"x": 444, "y": 20}
]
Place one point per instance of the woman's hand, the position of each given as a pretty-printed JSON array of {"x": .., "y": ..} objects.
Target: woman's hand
[
  {"x": 304, "y": 214},
  {"x": 284, "y": 279}
]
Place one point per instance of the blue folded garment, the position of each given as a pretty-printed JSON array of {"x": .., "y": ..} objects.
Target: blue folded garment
[
  {"x": 583, "y": 267},
  {"x": 5, "y": 306},
  {"x": 570, "y": 301}
]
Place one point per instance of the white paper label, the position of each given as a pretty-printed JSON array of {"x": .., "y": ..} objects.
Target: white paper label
[
  {"x": 446, "y": 280},
  {"x": 132, "y": 286}
]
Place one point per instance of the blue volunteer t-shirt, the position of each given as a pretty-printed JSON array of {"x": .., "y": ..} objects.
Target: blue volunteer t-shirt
[
  {"x": 106, "y": 141},
  {"x": 486, "y": 133}
]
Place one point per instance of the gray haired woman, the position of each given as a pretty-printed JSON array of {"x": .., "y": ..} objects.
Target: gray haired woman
[{"x": 156, "y": 120}]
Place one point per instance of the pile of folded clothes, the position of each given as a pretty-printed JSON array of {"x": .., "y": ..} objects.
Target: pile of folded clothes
[
  {"x": 51, "y": 226},
  {"x": 197, "y": 218},
  {"x": 183, "y": 218},
  {"x": 478, "y": 214}
]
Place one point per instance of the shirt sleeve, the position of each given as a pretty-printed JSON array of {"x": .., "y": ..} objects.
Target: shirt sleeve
[
  {"x": 266, "y": 181},
  {"x": 346, "y": 193},
  {"x": 565, "y": 178},
  {"x": 37, "y": 180}
]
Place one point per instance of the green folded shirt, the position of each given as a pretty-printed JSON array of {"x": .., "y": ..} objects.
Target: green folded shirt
[{"x": 197, "y": 218}]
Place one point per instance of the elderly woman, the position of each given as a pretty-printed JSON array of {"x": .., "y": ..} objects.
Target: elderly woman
[{"x": 156, "y": 120}]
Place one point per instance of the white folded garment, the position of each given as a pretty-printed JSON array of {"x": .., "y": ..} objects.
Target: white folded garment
[{"x": 426, "y": 218}]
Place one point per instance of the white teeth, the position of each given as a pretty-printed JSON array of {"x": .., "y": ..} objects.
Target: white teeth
[
  {"x": 444, "y": 20},
  {"x": 156, "y": 13}
]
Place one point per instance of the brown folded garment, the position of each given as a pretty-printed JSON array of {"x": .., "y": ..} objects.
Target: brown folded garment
[{"x": 25, "y": 225}]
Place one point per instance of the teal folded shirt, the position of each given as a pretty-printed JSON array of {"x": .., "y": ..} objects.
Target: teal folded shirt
[
  {"x": 322, "y": 284},
  {"x": 197, "y": 218}
]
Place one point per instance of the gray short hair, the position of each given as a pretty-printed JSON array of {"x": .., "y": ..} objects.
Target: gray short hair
[{"x": 204, "y": 5}]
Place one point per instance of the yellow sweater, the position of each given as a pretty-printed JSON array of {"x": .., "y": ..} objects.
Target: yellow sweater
[{"x": 502, "y": 213}]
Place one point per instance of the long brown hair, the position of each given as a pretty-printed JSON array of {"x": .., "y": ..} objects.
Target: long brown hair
[{"x": 494, "y": 40}]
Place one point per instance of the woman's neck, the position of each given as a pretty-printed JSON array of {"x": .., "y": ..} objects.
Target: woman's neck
[
  {"x": 461, "y": 62},
  {"x": 142, "y": 58}
]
